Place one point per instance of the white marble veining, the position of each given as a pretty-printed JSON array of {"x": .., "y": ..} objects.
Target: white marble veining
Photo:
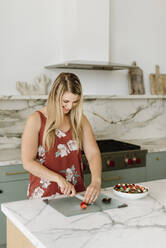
[
  {"x": 138, "y": 118},
  {"x": 127, "y": 119},
  {"x": 140, "y": 225},
  {"x": 12, "y": 156}
]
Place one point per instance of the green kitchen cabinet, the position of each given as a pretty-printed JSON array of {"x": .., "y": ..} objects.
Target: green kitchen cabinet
[
  {"x": 13, "y": 187},
  {"x": 110, "y": 178},
  {"x": 156, "y": 166}
]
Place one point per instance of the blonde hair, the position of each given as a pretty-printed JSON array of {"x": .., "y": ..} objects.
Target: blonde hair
[{"x": 65, "y": 82}]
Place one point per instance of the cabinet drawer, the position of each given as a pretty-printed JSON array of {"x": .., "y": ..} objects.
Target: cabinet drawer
[
  {"x": 134, "y": 175},
  {"x": 12, "y": 173},
  {"x": 156, "y": 166},
  {"x": 110, "y": 178}
]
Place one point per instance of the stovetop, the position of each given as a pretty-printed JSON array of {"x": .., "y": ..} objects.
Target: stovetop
[
  {"x": 117, "y": 155},
  {"x": 111, "y": 145}
]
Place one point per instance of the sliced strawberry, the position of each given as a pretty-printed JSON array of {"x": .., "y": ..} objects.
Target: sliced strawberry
[{"x": 83, "y": 205}]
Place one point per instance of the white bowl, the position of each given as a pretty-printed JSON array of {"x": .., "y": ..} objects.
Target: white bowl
[{"x": 131, "y": 195}]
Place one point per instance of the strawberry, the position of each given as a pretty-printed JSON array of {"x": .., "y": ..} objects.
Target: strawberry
[
  {"x": 131, "y": 186},
  {"x": 83, "y": 205}
]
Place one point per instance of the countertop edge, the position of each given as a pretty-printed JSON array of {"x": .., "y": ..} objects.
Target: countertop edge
[
  {"x": 21, "y": 227},
  {"x": 31, "y": 237},
  {"x": 10, "y": 162}
]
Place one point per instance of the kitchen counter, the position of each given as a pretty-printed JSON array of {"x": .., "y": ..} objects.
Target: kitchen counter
[
  {"x": 142, "y": 224},
  {"x": 10, "y": 157},
  {"x": 152, "y": 145},
  {"x": 13, "y": 156}
]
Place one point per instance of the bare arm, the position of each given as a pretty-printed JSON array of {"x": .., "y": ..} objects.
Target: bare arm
[
  {"x": 93, "y": 156},
  {"x": 29, "y": 151}
]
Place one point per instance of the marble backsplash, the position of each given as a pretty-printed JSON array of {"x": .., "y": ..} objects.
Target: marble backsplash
[{"x": 123, "y": 118}]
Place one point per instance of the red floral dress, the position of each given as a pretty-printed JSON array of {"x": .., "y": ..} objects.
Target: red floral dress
[{"x": 64, "y": 158}]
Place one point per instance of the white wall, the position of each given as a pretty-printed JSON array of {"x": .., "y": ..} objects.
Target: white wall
[
  {"x": 82, "y": 33},
  {"x": 28, "y": 40},
  {"x": 32, "y": 33},
  {"x": 138, "y": 32}
]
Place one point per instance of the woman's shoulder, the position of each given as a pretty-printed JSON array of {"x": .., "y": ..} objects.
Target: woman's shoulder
[
  {"x": 42, "y": 111},
  {"x": 34, "y": 120},
  {"x": 85, "y": 118},
  {"x": 36, "y": 115},
  {"x": 85, "y": 121}
]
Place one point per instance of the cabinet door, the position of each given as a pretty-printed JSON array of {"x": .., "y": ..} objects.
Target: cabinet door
[
  {"x": 13, "y": 173},
  {"x": 134, "y": 175},
  {"x": 156, "y": 166},
  {"x": 10, "y": 191},
  {"x": 110, "y": 178}
]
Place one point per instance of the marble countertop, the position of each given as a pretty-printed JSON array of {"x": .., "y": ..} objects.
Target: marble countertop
[
  {"x": 142, "y": 224},
  {"x": 13, "y": 156},
  {"x": 10, "y": 156},
  {"x": 152, "y": 145}
]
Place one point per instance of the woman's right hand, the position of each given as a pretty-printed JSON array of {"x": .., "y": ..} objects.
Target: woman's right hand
[{"x": 65, "y": 187}]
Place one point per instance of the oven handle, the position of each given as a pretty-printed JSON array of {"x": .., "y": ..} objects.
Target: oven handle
[{"x": 108, "y": 179}]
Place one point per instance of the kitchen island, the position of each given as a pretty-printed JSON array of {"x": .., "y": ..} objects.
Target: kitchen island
[{"x": 141, "y": 224}]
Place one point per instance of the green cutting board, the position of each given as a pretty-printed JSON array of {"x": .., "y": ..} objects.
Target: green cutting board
[{"x": 70, "y": 206}]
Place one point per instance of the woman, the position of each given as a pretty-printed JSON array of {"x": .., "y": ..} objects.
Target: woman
[{"x": 52, "y": 141}]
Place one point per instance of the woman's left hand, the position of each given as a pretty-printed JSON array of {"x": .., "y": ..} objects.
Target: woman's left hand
[{"x": 92, "y": 192}]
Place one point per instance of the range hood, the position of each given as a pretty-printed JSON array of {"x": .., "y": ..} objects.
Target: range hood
[{"x": 89, "y": 65}]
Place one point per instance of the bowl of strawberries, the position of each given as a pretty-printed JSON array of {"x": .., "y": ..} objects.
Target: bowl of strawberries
[{"x": 130, "y": 191}]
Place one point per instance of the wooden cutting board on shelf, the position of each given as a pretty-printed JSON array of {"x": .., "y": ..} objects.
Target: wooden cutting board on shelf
[{"x": 157, "y": 82}]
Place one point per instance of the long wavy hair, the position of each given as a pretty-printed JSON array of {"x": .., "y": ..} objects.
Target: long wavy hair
[{"x": 65, "y": 82}]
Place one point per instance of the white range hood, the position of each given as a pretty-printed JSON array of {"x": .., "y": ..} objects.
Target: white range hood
[
  {"x": 83, "y": 32},
  {"x": 84, "y": 36}
]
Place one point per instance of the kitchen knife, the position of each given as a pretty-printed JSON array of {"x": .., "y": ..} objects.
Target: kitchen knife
[{"x": 80, "y": 197}]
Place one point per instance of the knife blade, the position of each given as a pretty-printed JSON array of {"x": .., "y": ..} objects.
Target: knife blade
[{"x": 79, "y": 196}]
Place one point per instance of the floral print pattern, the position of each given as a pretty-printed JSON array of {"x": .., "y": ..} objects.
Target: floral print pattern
[
  {"x": 37, "y": 193},
  {"x": 62, "y": 150},
  {"x": 72, "y": 145},
  {"x": 65, "y": 149},
  {"x": 61, "y": 159},
  {"x": 59, "y": 133},
  {"x": 41, "y": 154},
  {"x": 45, "y": 183},
  {"x": 71, "y": 174},
  {"x": 28, "y": 189}
]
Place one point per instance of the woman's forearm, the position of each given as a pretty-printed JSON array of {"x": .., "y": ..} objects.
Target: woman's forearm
[
  {"x": 40, "y": 171},
  {"x": 95, "y": 166}
]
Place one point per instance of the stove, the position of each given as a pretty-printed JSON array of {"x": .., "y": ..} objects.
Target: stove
[{"x": 117, "y": 155}]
